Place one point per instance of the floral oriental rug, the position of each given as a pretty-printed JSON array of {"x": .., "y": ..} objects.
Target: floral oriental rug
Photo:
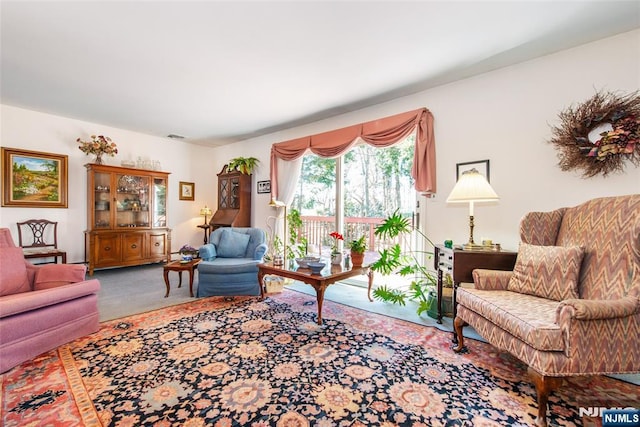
[{"x": 247, "y": 362}]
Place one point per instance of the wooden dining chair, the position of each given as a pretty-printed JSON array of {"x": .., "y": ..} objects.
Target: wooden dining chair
[{"x": 38, "y": 238}]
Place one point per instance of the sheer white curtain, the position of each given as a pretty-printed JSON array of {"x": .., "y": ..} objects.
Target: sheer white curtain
[{"x": 288, "y": 176}]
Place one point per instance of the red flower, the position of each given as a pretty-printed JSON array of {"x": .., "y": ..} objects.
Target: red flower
[{"x": 336, "y": 236}]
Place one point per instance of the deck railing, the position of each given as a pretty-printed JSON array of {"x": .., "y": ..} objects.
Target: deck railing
[{"x": 317, "y": 229}]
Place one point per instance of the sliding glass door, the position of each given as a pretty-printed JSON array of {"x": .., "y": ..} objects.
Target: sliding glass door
[{"x": 353, "y": 193}]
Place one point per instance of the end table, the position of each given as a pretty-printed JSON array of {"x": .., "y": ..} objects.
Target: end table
[
  {"x": 206, "y": 228},
  {"x": 180, "y": 266}
]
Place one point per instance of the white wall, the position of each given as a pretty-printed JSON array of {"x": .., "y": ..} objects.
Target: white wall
[
  {"x": 505, "y": 116},
  {"x": 30, "y": 130}
]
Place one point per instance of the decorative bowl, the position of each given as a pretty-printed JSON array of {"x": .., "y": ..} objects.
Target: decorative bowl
[
  {"x": 316, "y": 267},
  {"x": 304, "y": 262}
]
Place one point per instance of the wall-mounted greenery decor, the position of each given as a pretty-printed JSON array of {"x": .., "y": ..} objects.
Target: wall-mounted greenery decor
[{"x": 598, "y": 135}]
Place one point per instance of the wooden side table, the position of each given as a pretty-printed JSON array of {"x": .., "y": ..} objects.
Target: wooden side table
[
  {"x": 206, "y": 228},
  {"x": 180, "y": 266},
  {"x": 460, "y": 265}
]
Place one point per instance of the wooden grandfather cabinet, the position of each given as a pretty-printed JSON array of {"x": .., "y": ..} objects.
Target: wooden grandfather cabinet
[
  {"x": 234, "y": 200},
  {"x": 126, "y": 217}
]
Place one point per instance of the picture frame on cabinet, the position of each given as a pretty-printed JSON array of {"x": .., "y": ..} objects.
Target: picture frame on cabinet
[
  {"x": 187, "y": 191},
  {"x": 481, "y": 166},
  {"x": 34, "y": 179}
]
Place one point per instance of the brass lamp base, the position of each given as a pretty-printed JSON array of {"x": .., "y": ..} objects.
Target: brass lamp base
[{"x": 470, "y": 246}]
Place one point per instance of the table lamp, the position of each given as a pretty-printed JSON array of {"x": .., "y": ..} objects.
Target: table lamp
[
  {"x": 206, "y": 212},
  {"x": 472, "y": 187}
]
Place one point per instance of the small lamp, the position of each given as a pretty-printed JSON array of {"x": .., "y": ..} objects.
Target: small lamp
[
  {"x": 278, "y": 204},
  {"x": 205, "y": 212},
  {"x": 472, "y": 187}
]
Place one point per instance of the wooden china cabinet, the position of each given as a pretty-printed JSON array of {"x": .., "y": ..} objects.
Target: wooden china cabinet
[
  {"x": 234, "y": 200},
  {"x": 126, "y": 217}
]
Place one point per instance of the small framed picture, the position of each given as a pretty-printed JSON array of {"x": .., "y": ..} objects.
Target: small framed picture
[
  {"x": 264, "y": 187},
  {"x": 187, "y": 191},
  {"x": 481, "y": 166}
]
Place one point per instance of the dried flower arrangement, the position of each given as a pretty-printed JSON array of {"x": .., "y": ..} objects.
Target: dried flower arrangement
[
  {"x": 98, "y": 145},
  {"x": 620, "y": 141}
]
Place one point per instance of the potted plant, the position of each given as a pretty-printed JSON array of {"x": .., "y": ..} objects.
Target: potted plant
[
  {"x": 188, "y": 252},
  {"x": 358, "y": 247},
  {"x": 409, "y": 263},
  {"x": 244, "y": 165},
  {"x": 336, "y": 255}
]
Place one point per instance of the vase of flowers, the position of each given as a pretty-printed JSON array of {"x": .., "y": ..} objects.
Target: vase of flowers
[
  {"x": 98, "y": 146},
  {"x": 336, "y": 255},
  {"x": 188, "y": 252}
]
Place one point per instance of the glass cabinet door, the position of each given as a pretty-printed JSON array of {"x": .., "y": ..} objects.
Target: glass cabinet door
[
  {"x": 223, "y": 197},
  {"x": 159, "y": 202},
  {"x": 132, "y": 201},
  {"x": 102, "y": 198},
  {"x": 235, "y": 193}
]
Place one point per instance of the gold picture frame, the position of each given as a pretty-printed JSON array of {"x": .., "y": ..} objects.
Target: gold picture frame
[
  {"x": 34, "y": 179},
  {"x": 187, "y": 190}
]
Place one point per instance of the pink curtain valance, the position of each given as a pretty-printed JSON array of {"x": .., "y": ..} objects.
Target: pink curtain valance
[{"x": 378, "y": 133}]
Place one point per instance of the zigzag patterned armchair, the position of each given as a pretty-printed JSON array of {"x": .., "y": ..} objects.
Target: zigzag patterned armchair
[{"x": 571, "y": 306}]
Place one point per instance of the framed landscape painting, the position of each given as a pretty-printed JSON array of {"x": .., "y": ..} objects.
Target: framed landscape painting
[{"x": 33, "y": 179}]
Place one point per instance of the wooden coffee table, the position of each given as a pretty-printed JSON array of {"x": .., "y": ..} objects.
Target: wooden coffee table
[
  {"x": 320, "y": 282},
  {"x": 180, "y": 266}
]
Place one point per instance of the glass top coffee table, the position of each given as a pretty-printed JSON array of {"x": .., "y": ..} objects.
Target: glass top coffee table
[{"x": 320, "y": 282}]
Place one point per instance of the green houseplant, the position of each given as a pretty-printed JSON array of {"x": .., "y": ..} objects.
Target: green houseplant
[
  {"x": 409, "y": 263},
  {"x": 358, "y": 248},
  {"x": 244, "y": 165}
]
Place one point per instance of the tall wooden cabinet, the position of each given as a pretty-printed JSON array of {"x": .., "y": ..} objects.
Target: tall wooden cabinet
[
  {"x": 234, "y": 200},
  {"x": 126, "y": 217}
]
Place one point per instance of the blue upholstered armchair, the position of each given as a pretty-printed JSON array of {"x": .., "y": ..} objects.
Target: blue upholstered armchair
[{"x": 230, "y": 262}]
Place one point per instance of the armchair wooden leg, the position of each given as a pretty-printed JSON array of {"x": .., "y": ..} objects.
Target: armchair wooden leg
[
  {"x": 544, "y": 386},
  {"x": 458, "y": 324}
]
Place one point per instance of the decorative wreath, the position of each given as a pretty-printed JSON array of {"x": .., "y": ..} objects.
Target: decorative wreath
[{"x": 614, "y": 146}]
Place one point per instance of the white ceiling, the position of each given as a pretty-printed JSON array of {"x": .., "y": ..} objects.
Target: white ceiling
[{"x": 221, "y": 71}]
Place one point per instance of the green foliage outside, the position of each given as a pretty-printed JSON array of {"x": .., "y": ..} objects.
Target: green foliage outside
[{"x": 376, "y": 180}]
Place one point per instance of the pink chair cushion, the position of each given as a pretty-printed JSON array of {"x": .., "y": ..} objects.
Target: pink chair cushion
[
  {"x": 550, "y": 272},
  {"x": 14, "y": 277}
]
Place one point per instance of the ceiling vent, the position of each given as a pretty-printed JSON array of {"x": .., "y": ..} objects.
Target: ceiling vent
[{"x": 174, "y": 136}]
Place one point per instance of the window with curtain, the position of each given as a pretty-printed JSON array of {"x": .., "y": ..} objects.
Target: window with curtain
[{"x": 377, "y": 181}]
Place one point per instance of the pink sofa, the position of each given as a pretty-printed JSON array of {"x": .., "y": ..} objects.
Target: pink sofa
[{"x": 41, "y": 307}]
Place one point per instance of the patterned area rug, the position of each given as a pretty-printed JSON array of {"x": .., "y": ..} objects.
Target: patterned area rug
[{"x": 246, "y": 362}]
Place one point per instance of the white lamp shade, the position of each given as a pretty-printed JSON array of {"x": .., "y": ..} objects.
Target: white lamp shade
[
  {"x": 472, "y": 187},
  {"x": 205, "y": 211}
]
